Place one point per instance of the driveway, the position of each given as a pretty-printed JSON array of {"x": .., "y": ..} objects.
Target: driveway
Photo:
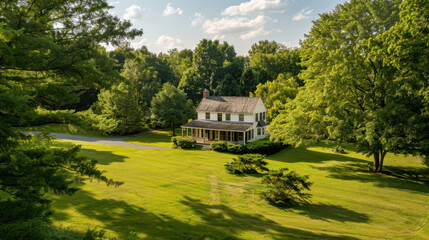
[{"x": 114, "y": 141}]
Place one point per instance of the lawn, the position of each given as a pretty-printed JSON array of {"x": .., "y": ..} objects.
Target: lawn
[
  {"x": 158, "y": 138},
  {"x": 187, "y": 194}
]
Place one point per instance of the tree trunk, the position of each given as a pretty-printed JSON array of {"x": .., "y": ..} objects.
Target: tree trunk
[
  {"x": 376, "y": 162},
  {"x": 172, "y": 126},
  {"x": 383, "y": 154}
]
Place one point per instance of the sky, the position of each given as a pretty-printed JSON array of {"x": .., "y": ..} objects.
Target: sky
[{"x": 182, "y": 24}]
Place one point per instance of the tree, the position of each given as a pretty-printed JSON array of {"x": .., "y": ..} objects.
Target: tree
[
  {"x": 214, "y": 66},
  {"x": 353, "y": 90},
  {"x": 265, "y": 47},
  {"x": 46, "y": 41},
  {"x": 276, "y": 94},
  {"x": 286, "y": 187},
  {"x": 121, "y": 104},
  {"x": 171, "y": 107},
  {"x": 247, "y": 163}
]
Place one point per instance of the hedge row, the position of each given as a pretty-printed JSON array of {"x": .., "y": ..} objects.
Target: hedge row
[
  {"x": 263, "y": 146},
  {"x": 180, "y": 142}
]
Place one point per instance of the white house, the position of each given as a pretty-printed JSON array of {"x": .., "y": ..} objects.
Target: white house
[{"x": 231, "y": 119}]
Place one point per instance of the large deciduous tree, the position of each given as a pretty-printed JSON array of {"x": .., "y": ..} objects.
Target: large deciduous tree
[
  {"x": 171, "y": 107},
  {"x": 355, "y": 89}
]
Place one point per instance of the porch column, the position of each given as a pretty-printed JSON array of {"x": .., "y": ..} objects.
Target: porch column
[
  {"x": 218, "y": 135},
  {"x": 230, "y": 136},
  {"x": 204, "y": 139},
  {"x": 244, "y": 137}
]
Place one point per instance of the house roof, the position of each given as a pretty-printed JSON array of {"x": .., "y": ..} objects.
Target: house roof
[
  {"x": 213, "y": 125},
  {"x": 261, "y": 124},
  {"x": 228, "y": 104}
]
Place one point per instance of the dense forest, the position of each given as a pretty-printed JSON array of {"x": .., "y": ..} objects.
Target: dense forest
[{"x": 360, "y": 76}]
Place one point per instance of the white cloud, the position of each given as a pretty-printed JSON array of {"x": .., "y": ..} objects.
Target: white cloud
[
  {"x": 218, "y": 37},
  {"x": 169, "y": 10},
  {"x": 169, "y": 42},
  {"x": 303, "y": 14},
  {"x": 247, "y": 28},
  {"x": 256, "y": 7},
  {"x": 133, "y": 12},
  {"x": 114, "y": 3},
  {"x": 138, "y": 44},
  {"x": 198, "y": 17}
]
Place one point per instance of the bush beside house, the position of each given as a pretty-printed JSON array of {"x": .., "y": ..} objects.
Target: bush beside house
[
  {"x": 263, "y": 146},
  {"x": 180, "y": 142}
]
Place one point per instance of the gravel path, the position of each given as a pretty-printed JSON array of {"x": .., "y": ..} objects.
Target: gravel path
[{"x": 114, "y": 141}]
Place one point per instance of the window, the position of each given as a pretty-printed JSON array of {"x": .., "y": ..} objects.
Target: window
[
  {"x": 263, "y": 131},
  {"x": 260, "y": 116},
  {"x": 241, "y": 117},
  {"x": 207, "y": 115},
  {"x": 259, "y": 131},
  {"x": 263, "y": 116},
  {"x": 228, "y": 117},
  {"x": 256, "y": 117},
  {"x": 219, "y": 116}
]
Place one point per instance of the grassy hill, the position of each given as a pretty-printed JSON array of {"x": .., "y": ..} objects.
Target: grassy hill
[{"x": 187, "y": 194}]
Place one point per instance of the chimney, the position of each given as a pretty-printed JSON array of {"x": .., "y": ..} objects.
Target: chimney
[{"x": 206, "y": 93}]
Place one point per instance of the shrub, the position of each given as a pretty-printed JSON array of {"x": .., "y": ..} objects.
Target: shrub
[
  {"x": 285, "y": 187},
  {"x": 248, "y": 163},
  {"x": 339, "y": 149},
  {"x": 236, "y": 148},
  {"x": 265, "y": 146},
  {"x": 180, "y": 142},
  {"x": 219, "y": 146}
]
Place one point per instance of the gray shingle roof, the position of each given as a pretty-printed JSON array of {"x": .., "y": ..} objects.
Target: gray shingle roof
[
  {"x": 261, "y": 124},
  {"x": 213, "y": 125},
  {"x": 228, "y": 104}
]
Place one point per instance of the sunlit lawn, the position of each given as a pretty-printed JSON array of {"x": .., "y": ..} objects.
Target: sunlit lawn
[
  {"x": 158, "y": 138},
  {"x": 188, "y": 195}
]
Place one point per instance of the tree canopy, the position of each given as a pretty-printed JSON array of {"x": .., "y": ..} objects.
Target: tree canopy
[{"x": 353, "y": 90}]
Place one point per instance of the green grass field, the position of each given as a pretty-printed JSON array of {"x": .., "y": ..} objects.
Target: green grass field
[
  {"x": 158, "y": 138},
  {"x": 187, "y": 194}
]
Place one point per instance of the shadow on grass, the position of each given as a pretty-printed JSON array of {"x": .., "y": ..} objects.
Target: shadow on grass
[
  {"x": 407, "y": 178},
  {"x": 295, "y": 155},
  {"x": 102, "y": 157},
  {"x": 328, "y": 212},
  {"x": 217, "y": 221}
]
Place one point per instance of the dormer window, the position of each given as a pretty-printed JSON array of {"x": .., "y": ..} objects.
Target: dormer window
[
  {"x": 219, "y": 117},
  {"x": 241, "y": 117},
  {"x": 228, "y": 116},
  {"x": 263, "y": 116},
  {"x": 207, "y": 115}
]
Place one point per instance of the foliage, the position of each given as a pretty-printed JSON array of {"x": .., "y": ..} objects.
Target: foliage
[
  {"x": 182, "y": 142},
  {"x": 171, "y": 107},
  {"x": 45, "y": 45},
  {"x": 219, "y": 146},
  {"x": 235, "y": 148},
  {"x": 276, "y": 94},
  {"x": 264, "y": 146},
  {"x": 286, "y": 187},
  {"x": 339, "y": 149},
  {"x": 354, "y": 92},
  {"x": 147, "y": 73},
  {"x": 39, "y": 169},
  {"x": 121, "y": 105},
  {"x": 247, "y": 163}
]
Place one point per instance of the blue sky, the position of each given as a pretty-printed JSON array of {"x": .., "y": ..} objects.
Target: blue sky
[{"x": 183, "y": 23}]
